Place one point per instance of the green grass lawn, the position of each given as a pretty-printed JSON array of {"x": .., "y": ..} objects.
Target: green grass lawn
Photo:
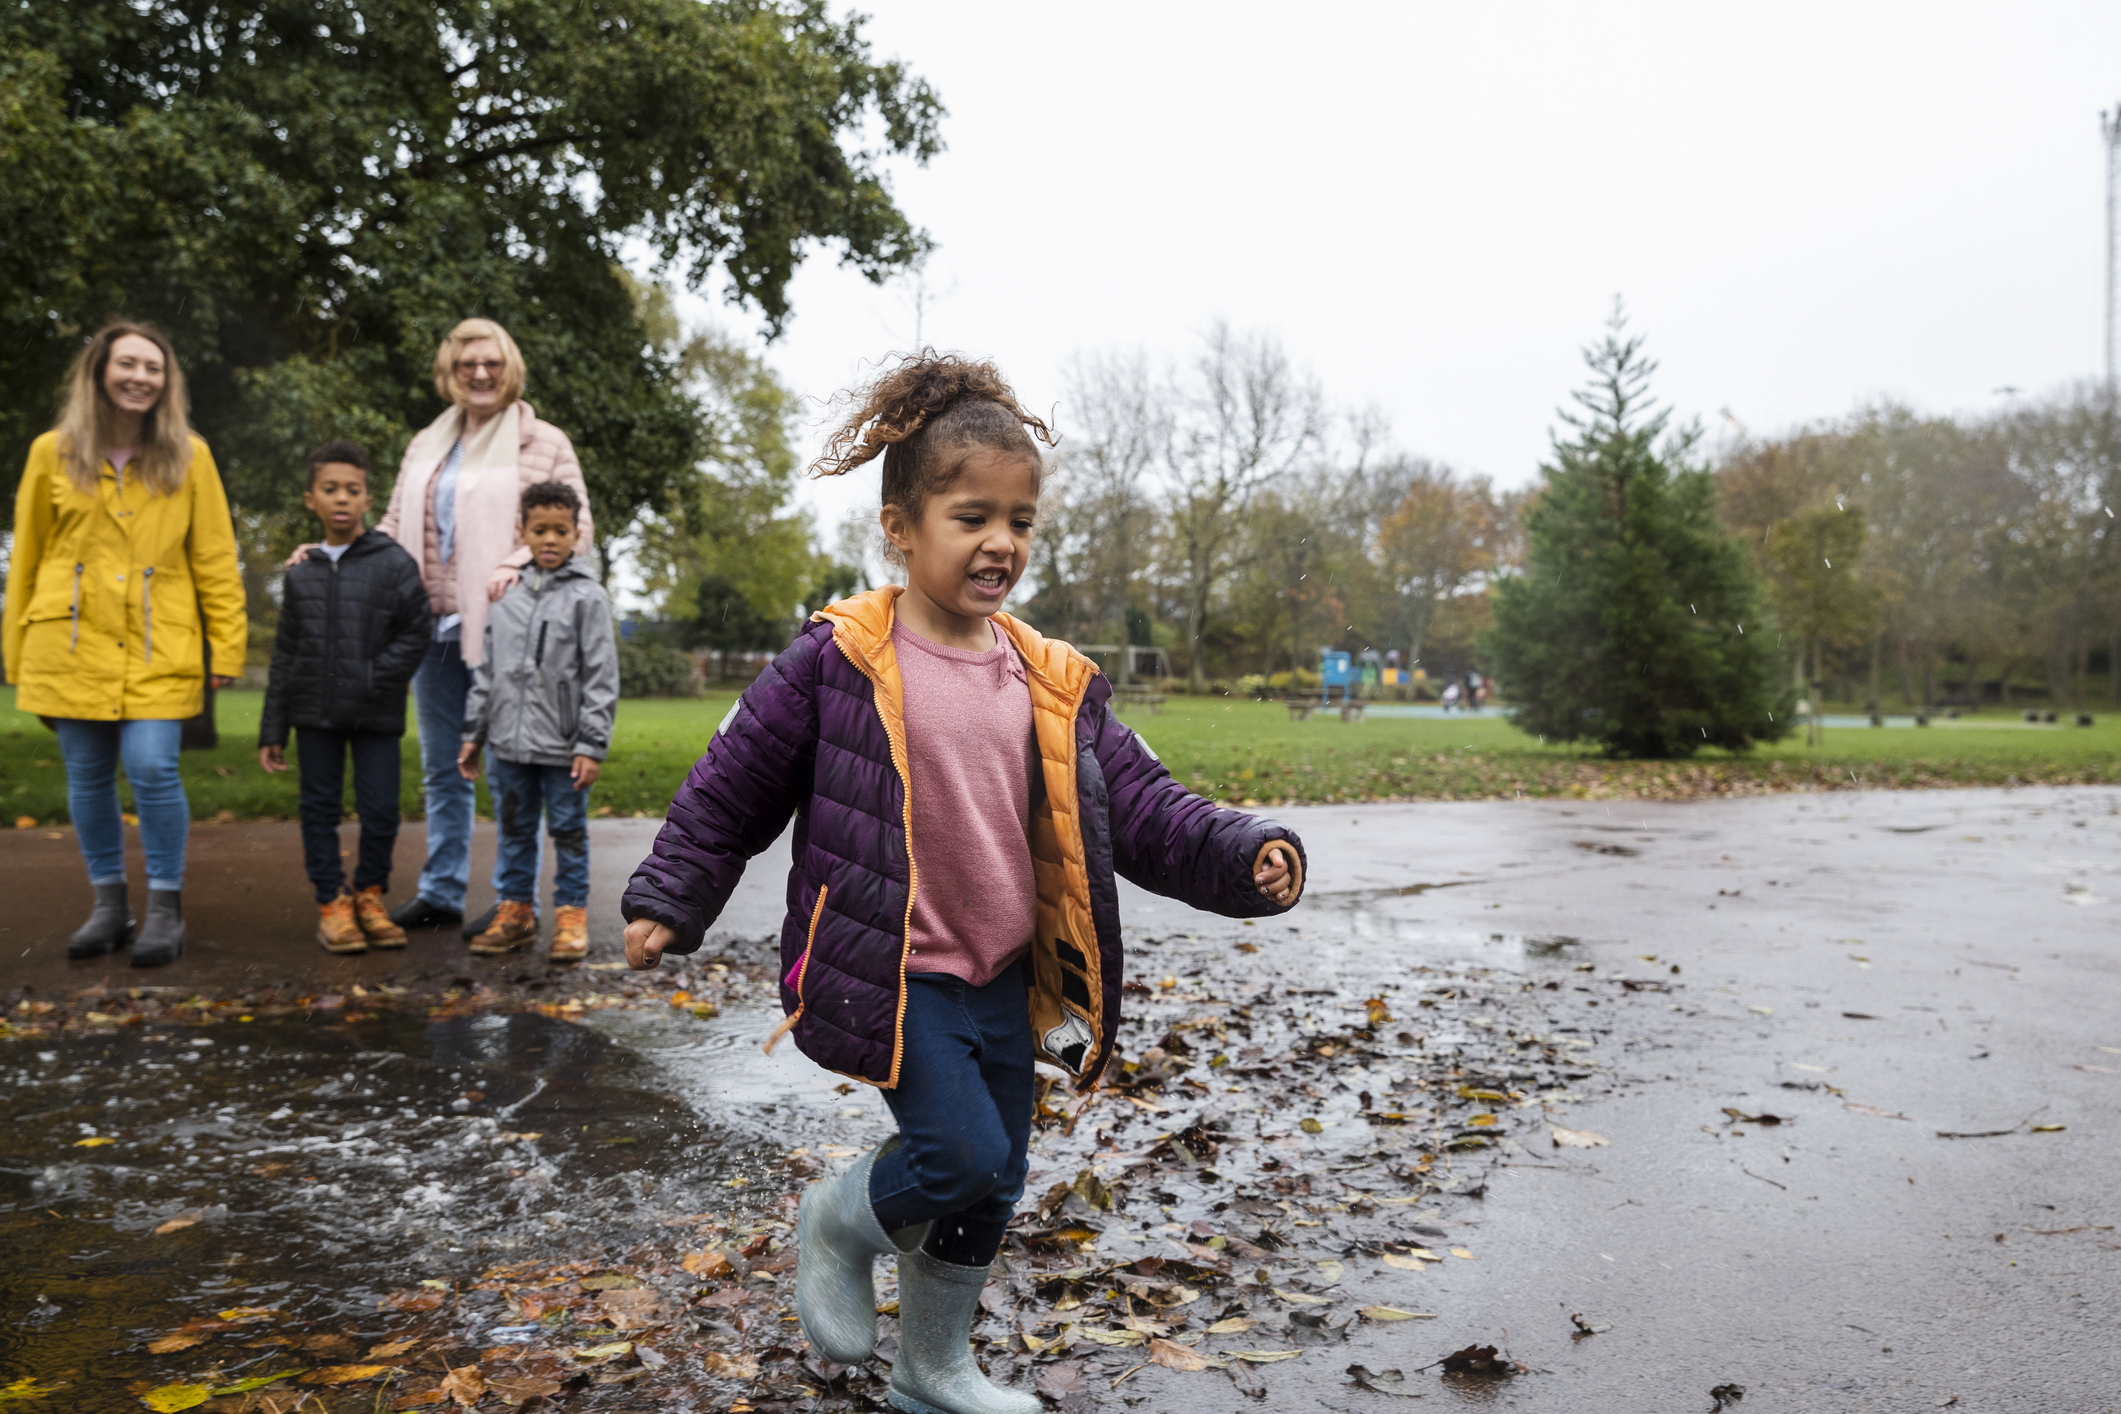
[
  {"x": 1229, "y": 750},
  {"x": 655, "y": 742}
]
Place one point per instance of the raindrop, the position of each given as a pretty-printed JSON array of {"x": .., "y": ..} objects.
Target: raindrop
[{"x": 1829, "y": 563}]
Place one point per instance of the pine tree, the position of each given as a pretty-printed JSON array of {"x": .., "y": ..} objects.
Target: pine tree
[{"x": 1638, "y": 622}]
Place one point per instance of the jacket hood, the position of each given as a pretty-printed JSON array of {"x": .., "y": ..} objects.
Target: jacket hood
[
  {"x": 571, "y": 568},
  {"x": 368, "y": 542},
  {"x": 862, "y": 624}
]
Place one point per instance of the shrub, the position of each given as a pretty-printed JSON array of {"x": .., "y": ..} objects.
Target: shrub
[{"x": 647, "y": 670}]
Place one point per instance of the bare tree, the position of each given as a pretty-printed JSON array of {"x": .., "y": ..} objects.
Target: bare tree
[
  {"x": 1245, "y": 419},
  {"x": 1439, "y": 540}
]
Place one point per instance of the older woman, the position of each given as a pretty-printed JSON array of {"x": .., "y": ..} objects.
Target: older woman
[
  {"x": 124, "y": 560},
  {"x": 454, "y": 507}
]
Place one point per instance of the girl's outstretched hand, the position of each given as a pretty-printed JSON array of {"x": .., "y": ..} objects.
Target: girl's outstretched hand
[
  {"x": 645, "y": 941},
  {"x": 1275, "y": 880}
]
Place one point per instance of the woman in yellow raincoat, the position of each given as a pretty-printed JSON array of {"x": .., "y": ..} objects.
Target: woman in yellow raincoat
[{"x": 124, "y": 560}]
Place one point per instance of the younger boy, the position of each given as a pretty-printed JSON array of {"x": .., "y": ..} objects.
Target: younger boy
[
  {"x": 542, "y": 700},
  {"x": 354, "y": 623}
]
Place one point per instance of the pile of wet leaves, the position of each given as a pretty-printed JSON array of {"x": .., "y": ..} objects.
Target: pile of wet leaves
[{"x": 415, "y": 1199}]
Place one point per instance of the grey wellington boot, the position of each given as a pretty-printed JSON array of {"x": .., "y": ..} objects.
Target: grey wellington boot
[
  {"x": 109, "y": 924},
  {"x": 935, "y": 1372},
  {"x": 161, "y": 938},
  {"x": 838, "y": 1239}
]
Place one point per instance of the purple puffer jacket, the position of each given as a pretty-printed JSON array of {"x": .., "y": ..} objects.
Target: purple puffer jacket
[{"x": 820, "y": 736}]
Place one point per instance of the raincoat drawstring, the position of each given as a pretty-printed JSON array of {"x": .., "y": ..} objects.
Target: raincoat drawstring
[
  {"x": 147, "y": 611},
  {"x": 76, "y": 642}
]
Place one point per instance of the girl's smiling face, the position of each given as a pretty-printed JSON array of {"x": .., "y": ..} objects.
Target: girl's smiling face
[{"x": 969, "y": 545}]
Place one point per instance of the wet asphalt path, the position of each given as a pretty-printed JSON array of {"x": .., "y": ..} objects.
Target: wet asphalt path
[{"x": 1868, "y": 968}]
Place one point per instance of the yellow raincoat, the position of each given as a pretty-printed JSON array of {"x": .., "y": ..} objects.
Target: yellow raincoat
[{"x": 105, "y": 592}]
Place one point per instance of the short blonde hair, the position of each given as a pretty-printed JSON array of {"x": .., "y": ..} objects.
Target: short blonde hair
[{"x": 468, "y": 331}]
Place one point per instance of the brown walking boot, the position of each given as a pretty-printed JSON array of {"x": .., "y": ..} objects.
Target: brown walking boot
[
  {"x": 514, "y": 924},
  {"x": 374, "y": 919},
  {"x": 337, "y": 929},
  {"x": 570, "y": 933}
]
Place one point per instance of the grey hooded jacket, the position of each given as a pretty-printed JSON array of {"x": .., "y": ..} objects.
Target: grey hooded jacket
[{"x": 549, "y": 684}]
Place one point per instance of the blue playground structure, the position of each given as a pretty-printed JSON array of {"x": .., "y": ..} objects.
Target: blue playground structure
[{"x": 1336, "y": 669}]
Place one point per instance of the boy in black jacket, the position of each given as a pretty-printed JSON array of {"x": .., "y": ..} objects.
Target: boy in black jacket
[{"x": 354, "y": 623}]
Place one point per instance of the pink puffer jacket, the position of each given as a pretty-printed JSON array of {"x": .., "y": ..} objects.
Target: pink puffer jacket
[{"x": 511, "y": 452}]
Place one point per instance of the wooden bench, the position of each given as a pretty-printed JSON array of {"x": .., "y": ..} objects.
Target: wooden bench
[
  {"x": 1132, "y": 696},
  {"x": 1300, "y": 709}
]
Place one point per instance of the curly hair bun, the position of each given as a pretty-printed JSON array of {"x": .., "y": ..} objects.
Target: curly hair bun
[{"x": 919, "y": 410}]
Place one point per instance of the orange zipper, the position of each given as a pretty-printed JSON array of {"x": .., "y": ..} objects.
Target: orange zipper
[{"x": 802, "y": 970}]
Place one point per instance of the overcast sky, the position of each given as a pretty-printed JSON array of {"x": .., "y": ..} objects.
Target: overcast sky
[{"x": 1803, "y": 206}]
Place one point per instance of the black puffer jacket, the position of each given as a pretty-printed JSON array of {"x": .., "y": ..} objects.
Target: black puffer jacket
[{"x": 351, "y": 634}]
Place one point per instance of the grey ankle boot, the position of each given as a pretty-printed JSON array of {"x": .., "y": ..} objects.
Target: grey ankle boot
[
  {"x": 109, "y": 926},
  {"x": 935, "y": 1372},
  {"x": 837, "y": 1240},
  {"x": 161, "y": 938}
]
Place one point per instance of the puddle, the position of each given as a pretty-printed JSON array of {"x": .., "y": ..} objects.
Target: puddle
[{"x": 312, "y": 1166}]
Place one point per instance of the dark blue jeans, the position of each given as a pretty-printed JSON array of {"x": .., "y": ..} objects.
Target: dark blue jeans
[
  {"x": 320, "y": 755},
  {"x": 963, "y": 1106},
  {"x": 523, "y": 791}
]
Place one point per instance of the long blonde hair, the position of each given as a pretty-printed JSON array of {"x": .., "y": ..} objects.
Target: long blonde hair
[
  {"x": 163, "y": 456},
  {"x": 513, "y": 372}
]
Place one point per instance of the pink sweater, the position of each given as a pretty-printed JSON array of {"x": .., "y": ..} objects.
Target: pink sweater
[{"x": 970, "y": 751}]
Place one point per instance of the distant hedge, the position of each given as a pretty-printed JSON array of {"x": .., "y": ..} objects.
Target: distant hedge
[{"x": 649, "y": 671}]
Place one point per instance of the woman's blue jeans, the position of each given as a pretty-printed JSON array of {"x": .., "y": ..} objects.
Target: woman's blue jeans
[
  {"x": 92, "y": 751},
  {"x": 438, "y": 692}
]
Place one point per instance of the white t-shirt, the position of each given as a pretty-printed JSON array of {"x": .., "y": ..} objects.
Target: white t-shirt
[{"x": 332, "y": 552}]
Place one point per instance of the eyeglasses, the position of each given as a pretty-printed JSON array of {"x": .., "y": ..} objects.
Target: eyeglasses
[{"x": 480, "y": 365}]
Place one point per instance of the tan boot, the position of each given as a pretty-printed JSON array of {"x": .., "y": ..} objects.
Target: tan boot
[
  {"x": 337, "y": 929},
  {"x": 514, "y": 924},
  {"x": 570, "y": 933},
  {"x": 374, "y": 919}
]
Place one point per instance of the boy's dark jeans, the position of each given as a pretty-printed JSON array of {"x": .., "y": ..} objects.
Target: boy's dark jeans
[
  {"x": 963, "y": 1106},
  {"x": 320, "y": 755}
]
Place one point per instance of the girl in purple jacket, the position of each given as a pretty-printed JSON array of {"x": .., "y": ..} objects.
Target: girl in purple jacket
[{"x": 963, "y": 796}]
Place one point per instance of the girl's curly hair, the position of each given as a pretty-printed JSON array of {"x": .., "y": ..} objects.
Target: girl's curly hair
[{"x": 919, "y": 412}]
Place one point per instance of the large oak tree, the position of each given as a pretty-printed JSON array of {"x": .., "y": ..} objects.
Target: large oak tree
[{"x": 308, "y": 193}]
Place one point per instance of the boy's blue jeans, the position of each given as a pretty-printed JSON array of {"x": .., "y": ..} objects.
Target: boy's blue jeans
[
  {"x": 149, "y": 748},
  {"x": 522, "y": 792},
  {"x": 963, "y": 1106}
]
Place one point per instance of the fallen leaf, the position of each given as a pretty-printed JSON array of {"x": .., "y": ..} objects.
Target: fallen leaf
[
  {"x": 1728, "y": 1394},
  {"x": 1331, "y": 1270},
  {"x": 1482, "y": 1121},
  {"x": 1311, "y": 1126},
  {"x": 603, "y": 1352},
  {"x": 1120, "y": 1337},
  {"x": 244, "y": 1386},
  {"x": 1584, "y": 1327},
  {"x": 1871, "y": 1110},
  {"x": 95, "y": 1143},
  {"x": 1493, "y": 1097},
  {"x": 1230, "y": 1325},
  {"x": 465, "y": 1384},
  {"x": 248, "y": 1314},
  {"x": 176, "y": 1341},
  {"x": 2049, "y": 1128},
  {"x": 1381, "y": 1381},
  {"x": 175, "y": 1225},
  {"x": 351, "y": 1374},
  {"x": 1478, "y": 1360},
  {"x": 1263, "y": 1357},
  {"x": 27, "y": 1388},
  {"x": 1298, "y": 1298},
  {"x": 394, "y": 1349},
  {"x": 1741, "y": 1117},
  {"x": 420, "y": 1398},
  {"x": 170, "y": 1398},
  {"x": 1405, "y": 1264},
  {"x": 707, "y": 1264},
  {"x": 1393, "y": 1313},
  {"x": 1461, "y": 1252},
  {"x": 1062, "y": 1380},
  {"x": 410, "y": 1301},
  {"x": 1175, "y": 1357},
  {"x": 630, "y": 1309},
  {"x": 1577, "y": 1139},
  {"x": 514, "y": 1389},
  {"x": 733, "y": 1367},
  {"x": 1763, "y": 1010}
]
